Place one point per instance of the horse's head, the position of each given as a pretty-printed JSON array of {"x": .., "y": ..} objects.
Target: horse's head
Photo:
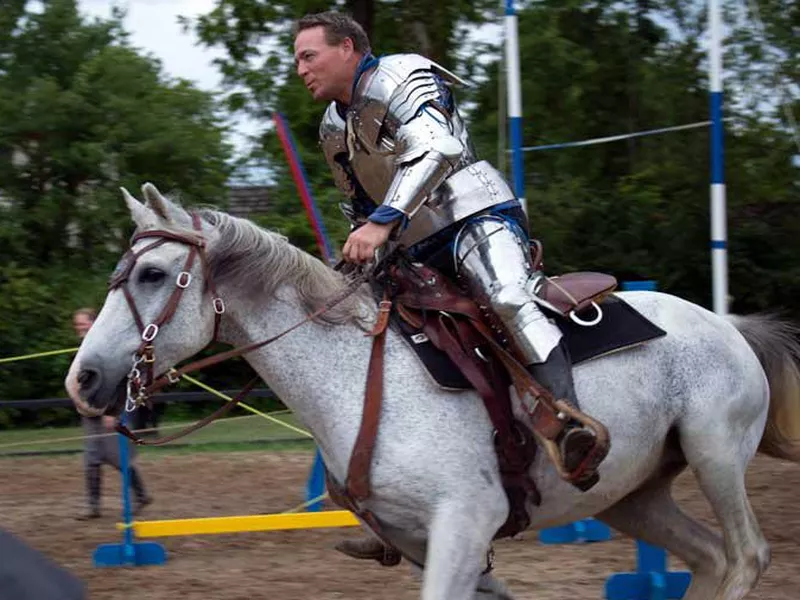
[{"x": 158, "y": 310}]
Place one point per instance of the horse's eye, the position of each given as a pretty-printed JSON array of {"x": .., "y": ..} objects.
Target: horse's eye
[{"x": 151, "y": 275}]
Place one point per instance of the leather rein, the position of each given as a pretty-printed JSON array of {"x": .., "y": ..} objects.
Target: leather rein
[{"x": 140, "y": 387}]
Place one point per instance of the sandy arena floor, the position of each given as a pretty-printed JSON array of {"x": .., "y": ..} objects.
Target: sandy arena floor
[{"x": 39, "y": 498}]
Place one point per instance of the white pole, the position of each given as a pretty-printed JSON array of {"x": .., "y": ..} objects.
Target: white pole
[
  {"x": 719, "y": 234},
  {"x": 514, "y": 103}
]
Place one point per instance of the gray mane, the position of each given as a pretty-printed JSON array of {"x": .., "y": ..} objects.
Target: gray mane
[{"x": 259, "y": 261}]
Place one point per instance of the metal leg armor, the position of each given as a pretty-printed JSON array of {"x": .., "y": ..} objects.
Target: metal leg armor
[{"x": 493, "y": 258}]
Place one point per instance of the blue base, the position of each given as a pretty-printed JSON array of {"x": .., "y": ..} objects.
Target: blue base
[
  {"x": 651, "y": 581},
  {"x": 648, "y": 586},
  {"x": 136, "y": 555},
  {"x": 584, "y": 531}
]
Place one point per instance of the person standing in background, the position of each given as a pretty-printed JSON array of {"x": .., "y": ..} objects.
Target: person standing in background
[{"x": 102, "y": 448}]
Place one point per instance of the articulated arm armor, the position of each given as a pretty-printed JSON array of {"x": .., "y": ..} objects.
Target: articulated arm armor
[
  {"x": 420, "y": 121},
  {"x": 403, "y": 145}
]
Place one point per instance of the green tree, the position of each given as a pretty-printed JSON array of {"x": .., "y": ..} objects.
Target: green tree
[
  {"x": 82, "y": 113},
  {"x": 639, "y": 208}
]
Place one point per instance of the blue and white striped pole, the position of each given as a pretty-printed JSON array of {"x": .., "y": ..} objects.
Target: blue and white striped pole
[
  {"x": 514, "y": 103},
  {"x": 719, "y": 234}
]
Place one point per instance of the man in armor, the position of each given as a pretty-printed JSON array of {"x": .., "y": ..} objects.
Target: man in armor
[{"x": 400, "y": 152}]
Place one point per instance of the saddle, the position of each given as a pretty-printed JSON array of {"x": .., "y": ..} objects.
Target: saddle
[{"x": 476, "y": 344}]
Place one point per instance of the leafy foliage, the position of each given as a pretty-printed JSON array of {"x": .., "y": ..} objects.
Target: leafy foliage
[{"x": 82, "y": 113}]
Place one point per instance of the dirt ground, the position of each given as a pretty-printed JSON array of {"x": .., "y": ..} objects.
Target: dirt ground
[{"x": 39, "y": 498}]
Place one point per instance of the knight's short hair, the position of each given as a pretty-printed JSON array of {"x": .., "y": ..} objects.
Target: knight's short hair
[{"x": 338, "y": 26}]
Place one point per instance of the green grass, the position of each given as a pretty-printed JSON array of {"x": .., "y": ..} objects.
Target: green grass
[{"x": 240, "y": 433}]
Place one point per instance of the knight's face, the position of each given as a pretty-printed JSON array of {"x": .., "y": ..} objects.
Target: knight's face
[{"x": 326, "y": 70}]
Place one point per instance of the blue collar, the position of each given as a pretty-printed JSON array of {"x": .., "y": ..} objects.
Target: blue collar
[{"x": 367, "y": 62}]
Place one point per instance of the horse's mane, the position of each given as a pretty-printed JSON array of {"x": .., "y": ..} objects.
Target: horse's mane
[{"x": 257, "y": 261}]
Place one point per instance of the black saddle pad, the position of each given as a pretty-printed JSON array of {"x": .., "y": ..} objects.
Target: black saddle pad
[{"x": 622, "y": 327}]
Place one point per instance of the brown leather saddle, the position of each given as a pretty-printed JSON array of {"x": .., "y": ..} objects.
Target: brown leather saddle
[{"x": 475, "y": 342}]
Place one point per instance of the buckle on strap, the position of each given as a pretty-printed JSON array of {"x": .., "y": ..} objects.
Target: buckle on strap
[{"x": 149, "y": 354}]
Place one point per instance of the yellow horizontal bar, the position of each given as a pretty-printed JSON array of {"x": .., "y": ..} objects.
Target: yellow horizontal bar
[{"x": 211, "y": 525}]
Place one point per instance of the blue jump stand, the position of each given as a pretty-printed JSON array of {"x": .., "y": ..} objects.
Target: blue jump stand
[
  {"x": 651, "y": 581},
  {"x": 315, "y": 486},
  {"x": 583, "y": 531},
  {"x": 129, "y": 552}
]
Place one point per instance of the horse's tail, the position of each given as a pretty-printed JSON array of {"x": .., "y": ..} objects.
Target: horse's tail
[{"x": 776, "y": 344}]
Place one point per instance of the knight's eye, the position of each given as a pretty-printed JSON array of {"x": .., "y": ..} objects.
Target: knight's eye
[{"x": 151, "y": 275}]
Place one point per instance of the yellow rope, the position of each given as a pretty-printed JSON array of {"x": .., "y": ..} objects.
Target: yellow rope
[
  {"x": 306, "y": 504},
  {"x": 202, "y": 385},
  {"x": 199, "y": 384},
  {"x": 9, "y": 359}
]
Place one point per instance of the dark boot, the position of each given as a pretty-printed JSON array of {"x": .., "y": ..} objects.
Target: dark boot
[
  {"x": 576, "y": 443},
  {"x": 370, "y": 548},
  {"x": 93, "y": 483},
  {"x": 141, "y": 497}
]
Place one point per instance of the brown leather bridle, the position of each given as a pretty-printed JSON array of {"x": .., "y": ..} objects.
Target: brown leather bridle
[
  {"x": 138, "y": 389},
  {"x": 145, "y": 353}
]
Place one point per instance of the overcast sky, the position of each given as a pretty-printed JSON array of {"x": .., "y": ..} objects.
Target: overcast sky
[
  {"x": 154, "y": 28},
  {"x": 153, "y": 25}
]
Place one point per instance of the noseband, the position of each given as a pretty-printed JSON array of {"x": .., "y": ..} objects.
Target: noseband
[{"x": 145, "y": 353}]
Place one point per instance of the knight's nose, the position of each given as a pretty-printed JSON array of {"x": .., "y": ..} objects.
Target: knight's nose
[{"x": 89, "y": 382}]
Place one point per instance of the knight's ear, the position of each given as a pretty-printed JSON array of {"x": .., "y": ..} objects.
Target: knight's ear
[
  {"x": 142, "y": 216},
  {"x": 164, "y": 208}
]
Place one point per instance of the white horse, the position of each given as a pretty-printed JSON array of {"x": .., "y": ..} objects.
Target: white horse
[{"x": 699, "y": 397}]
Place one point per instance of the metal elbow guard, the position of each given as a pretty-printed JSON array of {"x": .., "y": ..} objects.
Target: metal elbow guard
[
  {"x": 415, "y": 181},
  {"x": 427, "y": 156}
]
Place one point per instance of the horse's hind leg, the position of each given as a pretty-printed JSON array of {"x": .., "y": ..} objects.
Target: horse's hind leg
[
  {"x": 719, "y": 457},
  {"x": 459, "y": 537},
  {"x": 651, "y": 515}
]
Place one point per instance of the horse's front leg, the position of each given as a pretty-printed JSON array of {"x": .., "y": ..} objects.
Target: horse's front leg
[{"x": 459, "y": 538}]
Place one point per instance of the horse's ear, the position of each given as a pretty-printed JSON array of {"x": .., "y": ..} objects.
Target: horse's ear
[
  {"x": 167, "y": 210},
  {"x": 142, "y": 215}
]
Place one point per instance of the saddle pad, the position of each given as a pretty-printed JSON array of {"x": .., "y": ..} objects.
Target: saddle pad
[{"x": 622, "y": 327}]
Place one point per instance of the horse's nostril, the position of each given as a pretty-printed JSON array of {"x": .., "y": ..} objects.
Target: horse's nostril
[{"x": 88, "y": 379}]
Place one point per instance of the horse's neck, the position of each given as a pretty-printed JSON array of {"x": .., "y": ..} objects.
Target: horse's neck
[{"x": 317, "y": 370}]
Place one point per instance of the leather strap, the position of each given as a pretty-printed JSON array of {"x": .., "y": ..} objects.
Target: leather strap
[
  {"x": 171, "y": 376},
  {"x": 358, "y": 470},
  {"x": 514, "y": 446},
  {"x": 220, "y": 412}
]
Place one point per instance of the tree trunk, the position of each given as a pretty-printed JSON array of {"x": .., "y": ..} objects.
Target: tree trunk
[{"x": 363, "y": 11}]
